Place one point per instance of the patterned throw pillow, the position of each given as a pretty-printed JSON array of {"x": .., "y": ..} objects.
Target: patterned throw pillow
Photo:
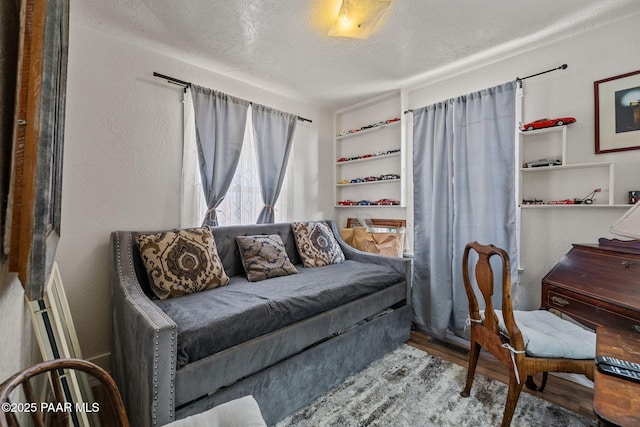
[
  {"x": 181, "y": 262},
  {"x": 316, "y": 244},
  {"x": 264, "y": 256}
]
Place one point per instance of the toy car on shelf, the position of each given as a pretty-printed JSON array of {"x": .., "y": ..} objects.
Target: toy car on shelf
[
  {"x": 343, "y": 182},
  {"x": 586, "y": 200},
  {"x": 589, "y": 198},
  {"x": 543, "y": 162},
  {"x": 562, "y": 202},
  {"x": 388, "y": 202},
  {"x": 533, "y": 201},
  {"x": 347, "y": 203},
  {"x": 356, "y": 180},
  {"x": 370, "y": 179},
  {"x": 365, "y": 203},
  {"x": 389, "y": 176},
  {"x": 369, "y": 126},
  {"x": 342, "y": 159},
  {"x": 546, "y": 123}
]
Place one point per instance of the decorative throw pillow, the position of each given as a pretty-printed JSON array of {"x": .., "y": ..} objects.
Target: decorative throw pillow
[
  {"x": 264, "y": 256},
  {"x": 316, "y": 244},
  {"x": 181, "y": 262}
]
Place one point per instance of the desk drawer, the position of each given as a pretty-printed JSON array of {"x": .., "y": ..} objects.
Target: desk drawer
[{"x": 589, "y": 311}]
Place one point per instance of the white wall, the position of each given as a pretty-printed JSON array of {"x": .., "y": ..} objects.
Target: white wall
[
  {"x": 122, "y": 160},
  {"x": 605, "y": 52},
  {"x": 123, "y": 152},
  {"x": 17, "y": 331}
]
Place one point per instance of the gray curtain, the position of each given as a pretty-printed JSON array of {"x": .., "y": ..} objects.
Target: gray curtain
[
  {"x": 464, "y": 190},
  {"x": 433, "y": 216},
  {"x": 273, "y": 134},
  {"x": 220, "y": 124}
]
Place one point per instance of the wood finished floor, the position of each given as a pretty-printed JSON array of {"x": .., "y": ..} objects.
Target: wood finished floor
[{"x": 560, "y": 391}]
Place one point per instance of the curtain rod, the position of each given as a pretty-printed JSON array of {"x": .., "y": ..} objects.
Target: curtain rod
[
  {"x": 186, "y": 85},
  {"x": 520, "y": 79}
]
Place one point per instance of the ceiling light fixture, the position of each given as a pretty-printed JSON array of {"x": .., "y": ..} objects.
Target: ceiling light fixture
[{"x": 358, "y": 18}]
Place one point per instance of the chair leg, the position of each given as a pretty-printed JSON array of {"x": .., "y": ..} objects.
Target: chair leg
[
  {"x": 474, "y": 354},
  {"x": 531, "y": 384},
  {"x": 512, "y": 400},
  {"x": 544, "y": 381}
]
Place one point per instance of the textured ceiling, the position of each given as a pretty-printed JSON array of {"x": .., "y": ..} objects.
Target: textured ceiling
[{"x": 283, "y": 45}]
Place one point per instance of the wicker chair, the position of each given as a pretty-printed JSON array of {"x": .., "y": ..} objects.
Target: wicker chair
[
  {"x": 57, "y": 370},
  {"x": 497, "y": 331}
]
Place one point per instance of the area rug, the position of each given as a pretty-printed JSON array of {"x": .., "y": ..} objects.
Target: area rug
[{"x": 409, "y": 387}]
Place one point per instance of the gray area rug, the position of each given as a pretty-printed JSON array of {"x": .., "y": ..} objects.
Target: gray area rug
[{"x": 411, "y": 388}]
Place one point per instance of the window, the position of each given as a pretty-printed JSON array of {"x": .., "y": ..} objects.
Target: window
[{"x": 243, "y": 202}]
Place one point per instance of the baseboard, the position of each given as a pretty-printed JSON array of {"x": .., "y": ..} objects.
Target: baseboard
[
  {"x": 575, "y": 378},
  {"x": 104, "y": 361}
]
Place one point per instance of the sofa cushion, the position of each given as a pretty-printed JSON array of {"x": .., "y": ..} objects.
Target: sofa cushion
[
  {"x": 181, "y": 262},
  {"x": 225, "y": 238},
  {"x": 218, "y": 319},
  {"x": 264, "y": 256},
  {"x": 316, "y": 244}
]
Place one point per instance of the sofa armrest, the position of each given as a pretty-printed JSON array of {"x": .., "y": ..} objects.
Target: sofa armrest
[
  {"x": 144, "y": 342},
  {"x": 402, "y": 265}
]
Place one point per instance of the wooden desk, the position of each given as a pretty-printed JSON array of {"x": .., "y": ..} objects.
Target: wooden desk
[
  {"x": 597, "y": 285},
  {"x": 617, "y": 401}
]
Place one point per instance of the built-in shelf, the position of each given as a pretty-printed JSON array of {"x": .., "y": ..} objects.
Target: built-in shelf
[
  {"x": 381, "y": 131},
  {"x": 565, "y": 181},
  {"x": 551, "y": 129},
  {"x": 579, "y": 206},
  {"x": 366, "y": 131},
  {"x": 566, "y": 167},
  {"x": 370, "y": 206},
  {"x": 368, "y": 159},
  {"x": 380, "y": 181}
]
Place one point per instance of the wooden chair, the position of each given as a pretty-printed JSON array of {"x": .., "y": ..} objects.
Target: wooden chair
[
  {"x": 58, "y": 369},
  {"x": 507, "y": 343}
]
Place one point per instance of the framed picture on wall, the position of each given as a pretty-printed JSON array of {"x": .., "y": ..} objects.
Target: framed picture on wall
[
  {"x": 35, "y": 193},
  {"x": 617, "y": 113}
]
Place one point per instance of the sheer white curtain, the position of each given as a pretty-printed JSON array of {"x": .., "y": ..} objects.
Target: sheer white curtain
[
  {"x": 243, "y": 201},
  {"x": 193, "y": 205}
]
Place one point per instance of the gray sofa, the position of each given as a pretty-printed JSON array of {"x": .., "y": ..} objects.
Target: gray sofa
[{"x": 171, "y": 361}]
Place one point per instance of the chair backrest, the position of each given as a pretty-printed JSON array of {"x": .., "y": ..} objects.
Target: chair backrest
[
  {"x": 484, "y": 279},
  {"x": 57, "y": 407}
]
